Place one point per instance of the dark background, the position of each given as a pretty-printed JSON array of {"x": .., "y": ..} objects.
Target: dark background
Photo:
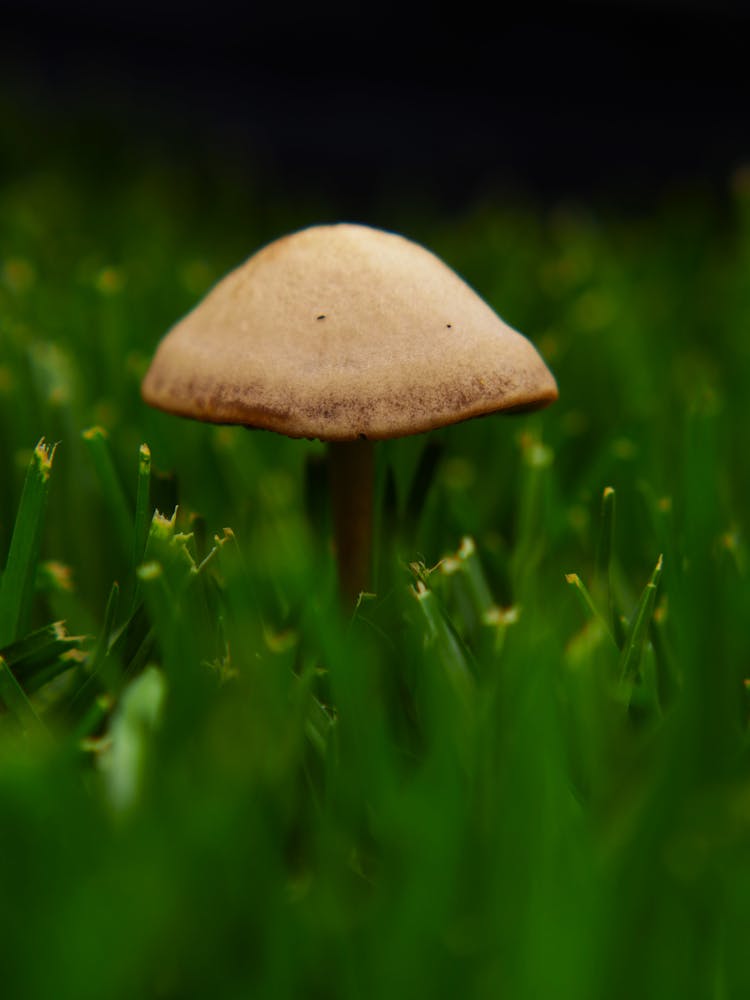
[{"x": 620, "y": 98}]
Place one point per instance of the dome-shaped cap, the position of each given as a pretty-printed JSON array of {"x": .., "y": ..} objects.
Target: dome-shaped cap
[{"x": 339, "y": 332}]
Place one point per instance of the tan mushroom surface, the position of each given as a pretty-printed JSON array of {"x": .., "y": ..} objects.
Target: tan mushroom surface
[{"x": 340, "y": 332}]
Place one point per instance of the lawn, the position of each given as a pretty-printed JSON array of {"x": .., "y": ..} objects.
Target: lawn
[{"x": 520, "y": 769}]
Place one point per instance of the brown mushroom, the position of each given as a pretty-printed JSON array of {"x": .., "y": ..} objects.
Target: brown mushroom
[{"x": 351, "y": 335}]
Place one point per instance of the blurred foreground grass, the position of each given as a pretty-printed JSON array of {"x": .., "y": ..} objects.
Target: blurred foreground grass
[{"x": 519, "y": 770}]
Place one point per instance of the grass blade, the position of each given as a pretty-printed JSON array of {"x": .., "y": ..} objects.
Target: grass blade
[
  {"x": 135, "y": 721},
  {"x": 18, "y": 580},
  {"x": 143, "y": 510},
  {"x": 143, "y": 514},
  {"x": 42, "y": 655},
  {"x": 421, "y": 484},
  {"x": 15, "y": 699},
  {"x": 588, "y": 602},
  {"x": 470, "y": 595},
  {"x": 632, "y": 651},
  {"x": 469, "y": 565},
  {"x": 93, "y": 718},
  {"x": 35, "y": 646},
  {"x": 96, "y": 439},
  {"x": 536, "y": 460},
  {"x": 443, "y": 641},
  {"x": 98, "y": 662},
  {"x": 603, "y": 584},
  {"x": 606, "y": 539}
]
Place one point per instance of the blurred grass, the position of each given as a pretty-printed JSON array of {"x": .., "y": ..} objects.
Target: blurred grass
[{"x": 230, "y": 790}]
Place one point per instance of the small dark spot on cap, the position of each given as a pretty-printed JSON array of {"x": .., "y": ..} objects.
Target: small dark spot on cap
[
  {"x": 449, "y": 325},
  {"x": 322, "y": 317},
  {"x": 362, "y": 437}
]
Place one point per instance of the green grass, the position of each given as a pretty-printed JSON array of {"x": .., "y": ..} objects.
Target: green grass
[{"x": 520, "y": 769}]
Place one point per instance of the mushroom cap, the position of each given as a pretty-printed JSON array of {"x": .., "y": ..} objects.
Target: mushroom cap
[{"x": 344, "y": 331}]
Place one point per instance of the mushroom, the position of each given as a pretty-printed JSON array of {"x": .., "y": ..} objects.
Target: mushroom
[{"x": 351, "y": 335}]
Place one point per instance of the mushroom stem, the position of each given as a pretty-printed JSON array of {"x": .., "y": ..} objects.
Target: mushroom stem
[{"x": 351, "y": 469}]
